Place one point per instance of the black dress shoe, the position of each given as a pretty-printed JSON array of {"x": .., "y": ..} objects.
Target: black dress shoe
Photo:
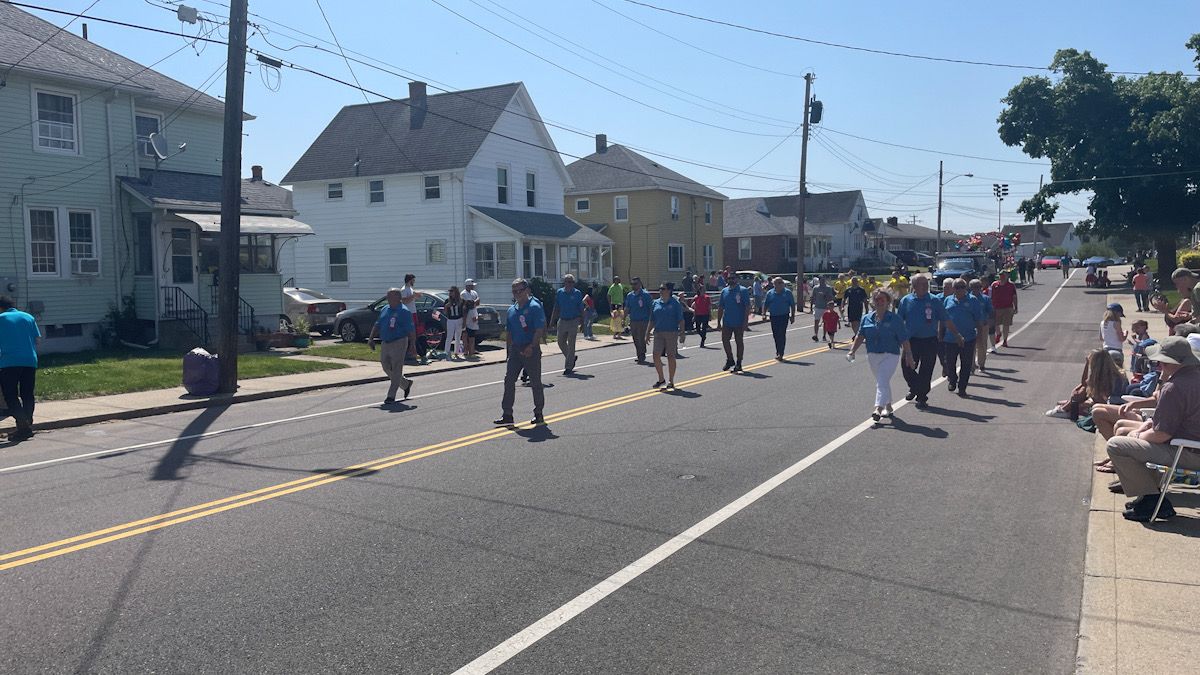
[
  {"x": 538, "y": 421},
  {"x": 727, "y": 366},
  {"x": 505, "y": 421},
  {"x": 910, "y": 396},
  {"x": 389, "y": 400},
  {"x": 921, "y": 405},
  {"x": 951, "y": 386},
  {"x": 737, "y": 367}
]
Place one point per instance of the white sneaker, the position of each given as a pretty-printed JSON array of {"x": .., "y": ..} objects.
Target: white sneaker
[{"x": 1058, "y": 412}]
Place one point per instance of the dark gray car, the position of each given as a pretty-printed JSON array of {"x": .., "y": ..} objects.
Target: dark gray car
[{"x": 354, "y": 325}]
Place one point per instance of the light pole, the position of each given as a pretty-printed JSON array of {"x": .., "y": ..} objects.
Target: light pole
[
  {"x": 938, "y": 248},
  {"x": 1001, "y": 191}
]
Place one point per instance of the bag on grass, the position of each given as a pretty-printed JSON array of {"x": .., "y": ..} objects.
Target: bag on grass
[{"x": 1085, "y": 422}]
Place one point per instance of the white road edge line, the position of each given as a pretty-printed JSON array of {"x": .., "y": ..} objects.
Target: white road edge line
[
  {"x": 501, "y": 653},
  {"x": 259, "y": 425}
]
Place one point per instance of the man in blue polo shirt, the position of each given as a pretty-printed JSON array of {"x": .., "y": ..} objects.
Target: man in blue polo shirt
[
  {"x": 637, "y": 308},
  {"x": 524, "y": 329},
  {"x": 397, "y": 331},
  {"x": 733, "y": 313},
  {"x": 568, "y": 317},
  {"x": 965, "y": 316},
  {"x": 924, "y": 314},
  {"x": 666, "y": 318},
  {"x": 781, "y": 305},
  {"x": 19, "y": 337}
]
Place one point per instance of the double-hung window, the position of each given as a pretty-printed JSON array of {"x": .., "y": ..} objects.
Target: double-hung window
[
  {"x": 57, "y": 128},
  {"x": 496, "y": 260},
  {"x": 375, "y": 191},
  {"x": 433, "y": 187},
  {"x": 485, "y": 260},
  {"x": 674, "y": 207},
  {"x": 338, "y": 262},
  {"x": 583, "y": 205},
  {"x": 43, "y": 242},
  {"x": 621, "y": 208},
  {"x": 147, "y": 124},
  {"x": 435, "y": 252},
  {"x": 333, "y": 191},
  {"x": 708, "y": 213},
  {"x": 744, "y": 248},
  {"x": 531, "y": 189},
  {"x": 501, "y": 185},
  {"x": 81, "y": 227},
  {"x": 710, "y": 257},
  {"x": 674, "y": 256}
]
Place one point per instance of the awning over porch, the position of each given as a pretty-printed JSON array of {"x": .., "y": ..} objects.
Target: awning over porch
[
  {"x": 211, "y": 222},
  {"x": 539, "y": 225}
]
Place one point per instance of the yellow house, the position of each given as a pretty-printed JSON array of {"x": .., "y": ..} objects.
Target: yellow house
[{"x": 662, "y": 223}]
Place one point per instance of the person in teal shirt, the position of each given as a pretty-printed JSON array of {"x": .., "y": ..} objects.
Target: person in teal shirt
[
  {"x": 965, "y": 317},
  {"x": 19, "y": 338},
  {"x": 924, "y": 315},
  {"x": 733, "y": 313},
  {"x": 568, "y": 306},
  {"x": 637, "y": 309},
  {"x": 886, "y": 337},
  {"x": 983, "y": 340},
  {"x": 397, "y": 331},
  {"x": 666, "y": 319},
  {"x": 780, "y": 304},
  {"x": 525, "y": 326}
]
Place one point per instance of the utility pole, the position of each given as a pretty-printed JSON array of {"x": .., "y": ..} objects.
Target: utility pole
[
  {"x": 941, "y": 182},
  {"x": 231, "y": 200},
  {"x": 803, "y": 196},
  {"x": 1001, "y": 191}
]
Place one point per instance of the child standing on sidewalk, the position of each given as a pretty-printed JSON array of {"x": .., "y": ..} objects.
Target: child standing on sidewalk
[
  {"x": 589, "y": 316},
  {"x": 830, "y": 321}
]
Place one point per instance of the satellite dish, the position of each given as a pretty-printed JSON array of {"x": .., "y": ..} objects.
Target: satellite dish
[{"x": 159, "y": 145}]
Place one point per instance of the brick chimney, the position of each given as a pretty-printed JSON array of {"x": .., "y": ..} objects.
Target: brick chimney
[
  {"x": 601, "y": 143},
  {"x": 418, "y": 103},
  {"x": 256, "y": 173}
]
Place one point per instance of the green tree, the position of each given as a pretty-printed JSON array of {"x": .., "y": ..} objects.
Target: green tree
[{"x": 1132, "y": 142}]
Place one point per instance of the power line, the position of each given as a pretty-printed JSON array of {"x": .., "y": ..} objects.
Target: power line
[
  {"x": 869, "y": 50},
  {"x": 935, "y": 152},
  {"x": 4, "y": 77},
  {"x": 764, "y": 156},
  {"x": 598, "y": 84}
]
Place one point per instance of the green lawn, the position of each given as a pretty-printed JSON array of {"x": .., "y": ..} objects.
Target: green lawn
[
  {"x": 358, "y": 351},
  {"x": 101, "y": 372}
]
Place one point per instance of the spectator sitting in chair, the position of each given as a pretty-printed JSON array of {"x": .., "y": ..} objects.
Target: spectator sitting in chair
[{"x": 1177, "y": 416}]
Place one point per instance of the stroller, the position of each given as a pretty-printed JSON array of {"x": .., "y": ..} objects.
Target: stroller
[{"x": 1138, "y": 363}]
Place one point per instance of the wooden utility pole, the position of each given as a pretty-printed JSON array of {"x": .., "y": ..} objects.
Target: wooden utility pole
[
  {"x": 231, "y": 200},
  {"x": 803, "y": 196}
]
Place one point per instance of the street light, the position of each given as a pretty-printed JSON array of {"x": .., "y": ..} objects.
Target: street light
[
  {"x": 1001, "y": 191},
  {"x": 938, "y": 248}
]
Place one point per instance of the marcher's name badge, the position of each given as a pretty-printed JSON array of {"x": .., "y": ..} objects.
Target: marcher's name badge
[
  {"x": 928, "y": 314},
  {"x": 522, "y": 319},
  {"x": 737, "y": 299},
  {"x": 641, "y": 302},
  {"x": 392, "y": 322}
]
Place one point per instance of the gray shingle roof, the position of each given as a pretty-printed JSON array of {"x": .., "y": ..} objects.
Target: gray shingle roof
[
  {"x": 620, "y": 168},
  {"x": 903, "y": 230},
  {"x": 744, "y": 218},
  {"x": 455, "y": 125},
  {"x": 197, "y": 191},
  {"x": 765, "y": 216},
  {"x": 822, "y": 207},
  {"x": 548, "y": 225},
  {"x": 68, "y": 55}
]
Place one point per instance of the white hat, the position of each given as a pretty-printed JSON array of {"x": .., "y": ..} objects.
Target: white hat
[{"x": 469, "y": 282}]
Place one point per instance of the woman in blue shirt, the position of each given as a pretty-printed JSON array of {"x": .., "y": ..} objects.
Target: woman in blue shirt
[{"x": 886, "y": 336}]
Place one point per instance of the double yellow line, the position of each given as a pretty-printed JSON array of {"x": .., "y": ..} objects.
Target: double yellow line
[{"x": 80, "y": 542}]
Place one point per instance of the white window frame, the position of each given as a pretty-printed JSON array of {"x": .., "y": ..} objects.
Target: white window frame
[
  {"x": 749, "y": 248},
  {"x": 329, "y": 189},
  {"x": 505, "y": 197},
  {"x": 617, "y": 208},
  {"x": 587, "y": 205},
  {"x": 57, "y": 242},
  {"x": 329, "y": 265},
  {"x": 95, "y": 243},
  {"x": 144, "y": 147},
  {"x": 708, "y": 213},
  {"x": 76, "y": 124},
  {"x": 436, "y": 188},
  {"x": 62, "y": 239},
  {"x": 490, "y": 246},
  {"x": 710, "y": 257},
  {"x": 530, "y": 189},
  {"x": 674, "y": 207},
  {"x": 432, "y": 254},
  {"x": 682, "y": 258},
  {"x": 371, "y": 191}
]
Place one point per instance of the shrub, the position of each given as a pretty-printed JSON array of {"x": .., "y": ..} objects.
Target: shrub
[
  {"x": 1095, "y": 248},
  {"x": 544, "y": 291},
  {"x": 1190, "y": 260}
]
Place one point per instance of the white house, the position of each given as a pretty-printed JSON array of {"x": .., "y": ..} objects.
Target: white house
[{"x": 449, "y": 186}]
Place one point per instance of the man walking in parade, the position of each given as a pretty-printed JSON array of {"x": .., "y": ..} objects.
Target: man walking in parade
[
  {"x": 19, "y": 337},
  {"x": 397, "y": 331},
  {"x": 733, "y": 313},
  {"x": 781, "y": 306},
  {"x": 666, "y": 319},
  {"x": 701, "y": 313},
  {"x": 567, "y": 317},
  {"x": 923, "y": 313},
  {"x": 965, "y": 319},
  {"x": 637, "y": 308},
  {"x": 1004, "y": 302},
  {"x": 524, "y": 329}
]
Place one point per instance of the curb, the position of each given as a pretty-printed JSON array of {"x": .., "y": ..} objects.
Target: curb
[{"x": 230, "y": 399}]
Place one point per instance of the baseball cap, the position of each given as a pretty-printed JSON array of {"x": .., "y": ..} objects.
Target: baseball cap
[
  {"x": 1116, "y": 307},
  {"x": 1173, "y": 349},
  {"x": 469, "y": 282}
]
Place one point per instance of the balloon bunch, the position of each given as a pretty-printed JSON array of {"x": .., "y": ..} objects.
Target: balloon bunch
[
  {"x": 972, "y": 243},
  {"x": 988, "y": 241},
  {"x": 1010, "y": 240}
]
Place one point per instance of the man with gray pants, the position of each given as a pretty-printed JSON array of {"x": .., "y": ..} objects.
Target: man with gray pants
[
  {"x": 637, "y": 307},
  {"x": 397, "y": 331},
  {"x": 568, "y": 306},
  {"x": 524, "y": 329}
]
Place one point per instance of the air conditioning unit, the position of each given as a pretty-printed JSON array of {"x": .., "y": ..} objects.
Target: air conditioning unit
[{"x": 85, "y": 266}]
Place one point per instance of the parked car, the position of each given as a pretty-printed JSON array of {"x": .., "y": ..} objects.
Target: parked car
[
  {"x": 1052, "y": 262},
  {"x": 354, "y": 325},
  {"x": 747, "y": 277},
  {"x": 913, "y": 258},
  {"x": 1098, "y": 261},
  {"x": 319, "y": 309}
]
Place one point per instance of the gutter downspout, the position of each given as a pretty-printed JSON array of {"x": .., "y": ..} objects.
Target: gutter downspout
[{"x": 112, "y": 195}]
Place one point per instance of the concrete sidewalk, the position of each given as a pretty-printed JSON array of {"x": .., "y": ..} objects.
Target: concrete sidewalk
[
  {"x": 81, "y": 411},
  {"x": 1141, "y": 585}
]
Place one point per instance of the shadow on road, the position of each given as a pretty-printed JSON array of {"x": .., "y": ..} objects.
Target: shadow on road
[
  {"x": 902, "y": 426},
  {"x": 996, "y": 401},
  {"x": 959, "y": 414},
  {"x": 538, "y": 434},
  {"x": 681, "y": 393},
  {"x": 179, "y": 454}
]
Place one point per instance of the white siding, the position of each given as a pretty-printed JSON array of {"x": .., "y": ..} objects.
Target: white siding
[{"x": 518, "y": 158}]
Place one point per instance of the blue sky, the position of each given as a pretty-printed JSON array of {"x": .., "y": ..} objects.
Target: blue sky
[{"x": 946, "y": 107}]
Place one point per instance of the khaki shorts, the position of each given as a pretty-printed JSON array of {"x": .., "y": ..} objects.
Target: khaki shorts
[
  {"x": 666, "y": 344},
  {"x": 1004, "y": 316}
]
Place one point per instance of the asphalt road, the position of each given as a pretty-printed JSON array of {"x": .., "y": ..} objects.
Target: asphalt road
[{"x": 322, "y": 533}]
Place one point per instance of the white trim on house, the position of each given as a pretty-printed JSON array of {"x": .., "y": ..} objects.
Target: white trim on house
[
  {"x": 330, "y": 264},
  {"x": 146, "y": 150},
  {"x": 77, "y": 122},
  {"x": 62, "y": 241},
  {"x": 682, "y": 257},
  {"x": 616, "y": 208},
  {"x": 586, "y": 209}
]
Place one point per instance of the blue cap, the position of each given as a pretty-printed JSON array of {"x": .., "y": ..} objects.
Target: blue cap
[{"x": 1116, "y": 307}]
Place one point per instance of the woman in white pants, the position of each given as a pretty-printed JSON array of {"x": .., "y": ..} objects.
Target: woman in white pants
[
  {"x": 887, "y": 339},
  {"x": 456, "y": 310}
]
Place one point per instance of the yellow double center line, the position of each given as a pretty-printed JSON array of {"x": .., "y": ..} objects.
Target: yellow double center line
[{"x": 179, "y": 516}]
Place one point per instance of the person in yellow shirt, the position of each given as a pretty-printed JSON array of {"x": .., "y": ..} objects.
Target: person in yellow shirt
[
  {"x": 899, "y": 286},
  {"x": 839, "y": 288}
]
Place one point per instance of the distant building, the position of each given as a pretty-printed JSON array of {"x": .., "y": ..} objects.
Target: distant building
[
  {"x": 761, "y": 232},
  {"x": 1036, "y": 237}
]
